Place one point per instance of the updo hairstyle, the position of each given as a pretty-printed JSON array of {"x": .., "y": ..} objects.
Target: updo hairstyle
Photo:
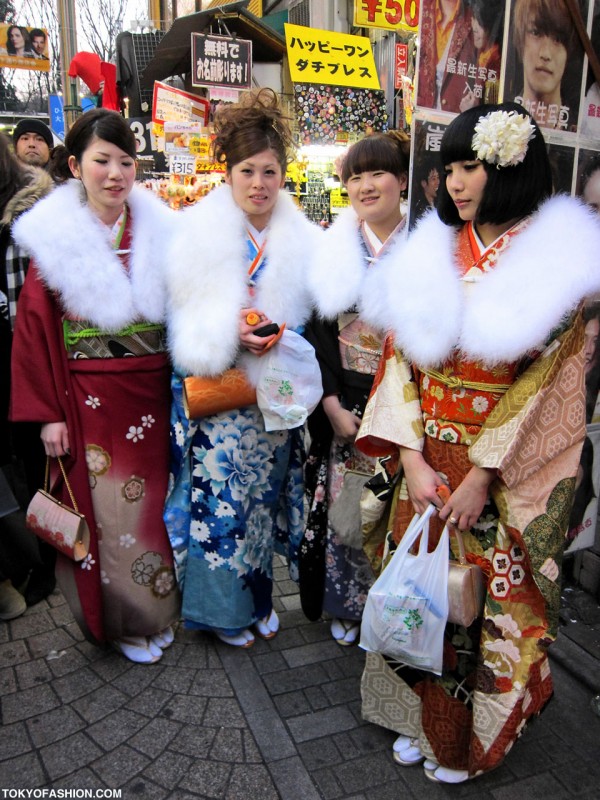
[
  {"x": 103, "y": 124},
  {"x": 255, "y": 124}
]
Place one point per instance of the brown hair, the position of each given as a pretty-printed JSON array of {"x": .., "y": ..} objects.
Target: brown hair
[
  {"x": 251, "y": 126},
  {"x": 549, "y": 17},
  {"x": 389, "y": 152},
  {"x": 12, "y": 176}
]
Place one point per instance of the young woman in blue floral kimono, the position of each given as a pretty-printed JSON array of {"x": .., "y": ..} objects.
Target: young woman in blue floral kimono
[{"x": 236, "y": 491}]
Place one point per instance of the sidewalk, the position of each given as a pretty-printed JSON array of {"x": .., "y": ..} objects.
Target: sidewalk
[{"x": 281, "y": 720}]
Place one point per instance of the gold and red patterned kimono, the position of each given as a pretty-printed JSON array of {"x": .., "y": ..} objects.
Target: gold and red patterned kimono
[{"x": 524, "y": 419}]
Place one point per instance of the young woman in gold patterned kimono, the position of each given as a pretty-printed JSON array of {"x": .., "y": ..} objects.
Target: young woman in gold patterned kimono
[{"x": 487, "y": 368}]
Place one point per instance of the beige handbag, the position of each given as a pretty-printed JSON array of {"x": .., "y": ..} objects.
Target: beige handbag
[
  {"x": 466, "y": 587},
  {"x": 59, "y": 525}
]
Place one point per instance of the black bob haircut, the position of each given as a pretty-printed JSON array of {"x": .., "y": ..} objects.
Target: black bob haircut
[{"x": 510, "y": 192}]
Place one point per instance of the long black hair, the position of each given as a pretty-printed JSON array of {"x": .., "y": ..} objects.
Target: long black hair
[{"x": 510, "y": 192}]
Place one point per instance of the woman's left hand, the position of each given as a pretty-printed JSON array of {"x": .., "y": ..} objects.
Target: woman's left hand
[
  {"x": 466, "y": 503},
  {"x": 255, "y": 344}
]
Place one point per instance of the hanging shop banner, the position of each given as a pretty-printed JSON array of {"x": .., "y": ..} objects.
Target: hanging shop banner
[
  {"x": 221, "y": 61},
  {"x": 317, "y": 56},
  {"x": 22, "y": 47},
  {"x": 394, "y": 15},
  {"x": 400, "y": 64}
]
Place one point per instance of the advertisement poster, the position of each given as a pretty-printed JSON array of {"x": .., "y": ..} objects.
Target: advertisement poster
[
  {"x": 590, "y": 109},
  {"x": 22, "y": 47},
  {"x": 460, "y": 53},
  {"x": 426, "y": 167},
  {"x": 544, "y": 62}
]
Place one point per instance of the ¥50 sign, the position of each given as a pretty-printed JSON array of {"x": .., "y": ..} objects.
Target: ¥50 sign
[{"x": 397, "y": 15}]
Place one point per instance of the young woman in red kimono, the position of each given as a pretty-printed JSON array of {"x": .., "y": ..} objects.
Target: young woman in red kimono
[
  {"x": 89, "y": 364},
  {"x": 484, "y": 391}
]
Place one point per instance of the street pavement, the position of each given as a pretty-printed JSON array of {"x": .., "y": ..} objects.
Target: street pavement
[{"x": 280, "y": 720}]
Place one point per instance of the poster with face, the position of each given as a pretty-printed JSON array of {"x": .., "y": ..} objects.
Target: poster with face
[
  {"x": 460, "y": 53},
  {"x": 562, "y": 164},
  {"x": 24, "y": 47},
  {"x": 544, "y": 62},
  {"x": 589, "y": 121},
  {"x": 426, "y": 166}
]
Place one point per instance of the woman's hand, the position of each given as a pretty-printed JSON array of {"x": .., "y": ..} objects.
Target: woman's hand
[
  {"x": 421, "y": 480},
  {"x": 255, "y": 344},
  {"x": 466, "y": 503},
  {"x": 345, "y": 424},
  {"x": 55, "y": 437}
]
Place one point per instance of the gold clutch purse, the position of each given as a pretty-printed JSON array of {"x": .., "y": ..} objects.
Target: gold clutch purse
[{"x": 59, "y": 525}]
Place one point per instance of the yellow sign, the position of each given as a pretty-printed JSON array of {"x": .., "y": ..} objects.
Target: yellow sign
[
  {"x": 339, "y": 59},
  {"x": 396, "y": 15},
  {"x": 337, "y": 200}
]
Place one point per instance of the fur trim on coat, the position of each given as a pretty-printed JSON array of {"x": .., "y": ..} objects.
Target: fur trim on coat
[
  {"x": 547, "y": 270},
  {"x": 72, "y": 251},
  {"x": 340, "y": 277},
  {"x": 38, "y": 184},
  {"x": 207, "y": 278}
]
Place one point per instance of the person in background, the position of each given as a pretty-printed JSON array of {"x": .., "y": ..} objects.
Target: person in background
[
  {"x": 348, "y": 342},
  {"x": 487, "y": 335},
  {"x": 33, "y": 142},
  {"x": 21, "y": 452},
  {"x": 90, "y": 365},
  {"x": 236, "y": 492}
]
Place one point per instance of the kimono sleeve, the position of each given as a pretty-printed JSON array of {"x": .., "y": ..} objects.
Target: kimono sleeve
[
  {"x": 392, "y": 417},
  {"x": 38, "y": 387},
  {"x": 541, "y": 418}
]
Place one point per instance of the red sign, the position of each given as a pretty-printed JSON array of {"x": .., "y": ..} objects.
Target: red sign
[{"x": 401, "y": 66}]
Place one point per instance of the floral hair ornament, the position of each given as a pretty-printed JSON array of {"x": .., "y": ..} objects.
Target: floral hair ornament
[{"x": 501, "y": 138}]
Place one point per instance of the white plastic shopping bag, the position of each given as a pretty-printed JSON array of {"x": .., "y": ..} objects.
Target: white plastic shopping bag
[
  {"x": 407, "y": 607},
  {"x": 289, "y": 383}
]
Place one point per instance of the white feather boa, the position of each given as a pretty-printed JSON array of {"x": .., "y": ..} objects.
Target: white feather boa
[
  {"x": 72, "y": 251},
  {"x": 207, "y": 278},
  {"x": 544, "y": 274},
  {"x": 340, "y": 276}
]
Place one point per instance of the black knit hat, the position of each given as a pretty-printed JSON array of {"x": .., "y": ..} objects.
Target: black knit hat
[{"x": 33, "y": 126}]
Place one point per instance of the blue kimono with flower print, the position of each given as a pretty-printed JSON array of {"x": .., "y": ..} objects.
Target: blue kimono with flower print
[{"x": 235, "y": 497}]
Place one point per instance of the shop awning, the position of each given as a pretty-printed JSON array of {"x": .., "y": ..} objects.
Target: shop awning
[{"x": 173, "y": 54}]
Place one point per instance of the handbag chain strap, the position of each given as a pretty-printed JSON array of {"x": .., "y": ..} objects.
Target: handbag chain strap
[{"x": 66, "y": 480}]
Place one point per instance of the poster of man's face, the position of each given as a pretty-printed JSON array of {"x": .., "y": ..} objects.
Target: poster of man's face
[
  {"x": 426, "y": 167},
  {"x": 544, "y": 61}
]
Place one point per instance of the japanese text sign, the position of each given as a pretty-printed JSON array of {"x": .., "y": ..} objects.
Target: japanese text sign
[
  {"x": 221, "y": 61},
  {"x": 401, "y": 64},
  {"x": 317, "y": 56},
  {"x": 397, "y": 15}
]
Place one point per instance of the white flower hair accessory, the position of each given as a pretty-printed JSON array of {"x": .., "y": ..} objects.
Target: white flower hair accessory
[{"x": 501, "y": 138}]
